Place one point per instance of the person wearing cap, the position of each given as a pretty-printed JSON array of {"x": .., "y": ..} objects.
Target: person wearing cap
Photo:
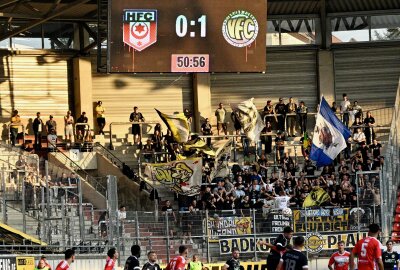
[
  {"x": 278, "y": 248},
  {"x": 69, "y": 259},
  {"x": 51, "y": 124}
]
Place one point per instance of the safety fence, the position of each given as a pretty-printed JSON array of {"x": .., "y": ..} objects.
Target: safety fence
[{"x": 391, "y": 171}]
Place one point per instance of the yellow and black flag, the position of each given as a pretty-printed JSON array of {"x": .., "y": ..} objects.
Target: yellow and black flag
[
  {"x": 316, "y": 197},
  {"x": 178, "y": 125},
  {"x": 198, "y": 145}
]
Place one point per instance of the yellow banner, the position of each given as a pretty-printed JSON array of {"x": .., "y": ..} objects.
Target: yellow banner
[
  {"x": 321, "y": 220},
  {"x": 25, "y": 263},
  {"x": 315, "y": 242},
  {"x": 225, "y": 226}
]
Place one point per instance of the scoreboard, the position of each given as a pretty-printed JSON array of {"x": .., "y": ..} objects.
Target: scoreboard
[{"x": 187, "y": 36}]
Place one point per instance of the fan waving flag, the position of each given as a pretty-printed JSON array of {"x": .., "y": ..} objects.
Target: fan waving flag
[
  {"x": 249, "y": 118},
  {"x": 330, "y": 136},
  {"x": 178, "y": 125}
]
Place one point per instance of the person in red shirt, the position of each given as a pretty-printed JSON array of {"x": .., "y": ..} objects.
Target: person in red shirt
[
  {"x": 368, "y": 251},
  {"x": 179, "y": 262},
  {"x": 69, "y": 258},
  {"x": 112, "y": 256},
  {"x": 339, "y": 259}
]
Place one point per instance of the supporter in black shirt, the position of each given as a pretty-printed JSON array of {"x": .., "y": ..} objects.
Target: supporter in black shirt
[
  {"x": 309, "y": 168},
  {"x": 294, "y": 259},
  {"x": 390, "y": 258},
  {"x": 280, "y": 109},
  {"x": 152, "y": 263},
  {"x": 233, "y": 263},
  {"x": 375, "y": 148},
  {"x": 278, "y": 247}
]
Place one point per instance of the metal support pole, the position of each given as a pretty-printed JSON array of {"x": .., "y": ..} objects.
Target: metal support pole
[
  {"x": 383, "y": 206},
  {"x": 137, "y": 227},
  {"x": 81, "y": 219},
  {"x": 3, "y": 187},
  {"x": 48, "y": 208},
  {"x": 358, "y": 206},
  {"x": 23, "y": 205},
  {"x": 42, "y": 234},
  {"x": 63, "y": 223},
  {"x": 168, "y": 241},
  {"x": 207, "y": 240},
  {"x": 255, "y": 234},
  {"x": 111, "y": 144},
  {"x": 234, "y": 149}
]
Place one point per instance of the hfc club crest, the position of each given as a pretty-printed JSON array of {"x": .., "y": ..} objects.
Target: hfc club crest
[{"x": 140, "y": 28}]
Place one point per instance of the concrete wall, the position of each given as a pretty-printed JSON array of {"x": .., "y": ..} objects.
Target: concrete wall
[
  {"x": 326, "y": 75},
  {"x": 128, "y": 191}
]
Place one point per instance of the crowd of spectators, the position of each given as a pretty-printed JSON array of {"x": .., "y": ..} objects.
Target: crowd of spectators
[{"x": 278, "y": 180}]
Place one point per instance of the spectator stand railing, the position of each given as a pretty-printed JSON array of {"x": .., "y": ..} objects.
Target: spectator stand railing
[
  {"x": 213, "y": 234},
  {"x": 127, "y": 124},
  {"x": 23, "y": 133},
  {"x": 86, "y": 132},
  {"x": 257, "y": 146},
  {"x": 73, "y": 166},
  {"x": 100, "y": 149}
]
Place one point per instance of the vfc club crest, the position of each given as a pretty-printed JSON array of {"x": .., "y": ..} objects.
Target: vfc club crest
[{"x": 140, "y": 28}]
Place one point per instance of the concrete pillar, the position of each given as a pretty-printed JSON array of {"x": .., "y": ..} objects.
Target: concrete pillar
[
  {"x": 82, "y": 72},
  {"x": 326, "y": 78},
  {"x": 202, "y": 99}
]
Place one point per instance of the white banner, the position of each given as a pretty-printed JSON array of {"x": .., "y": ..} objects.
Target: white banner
[{"x": 182, "y": 176}]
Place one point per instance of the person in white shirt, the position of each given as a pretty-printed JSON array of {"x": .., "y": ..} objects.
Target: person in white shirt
[
  {"x": 69, "y": 127},
  {"x": 52, "y": 141},
  {"x": 359, "y": 136},
  {"x": 282, "y": 201},
  {"x": 344, "y": 110}
]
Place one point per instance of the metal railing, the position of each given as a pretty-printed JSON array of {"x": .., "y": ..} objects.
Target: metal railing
[
  {"x": 126, "y": 124},
  {"x": 391, "y": 168},
  {"x": 80, "y": 171}
]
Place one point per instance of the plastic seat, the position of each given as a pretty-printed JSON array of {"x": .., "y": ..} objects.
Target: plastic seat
[{"x": 396, "y": 227}]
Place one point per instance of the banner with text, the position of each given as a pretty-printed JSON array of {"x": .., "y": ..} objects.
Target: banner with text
[
  {"x": 321, "y": 220},
  {"x": 315, "y": 242},
  {"x": 225, "y": 226}
]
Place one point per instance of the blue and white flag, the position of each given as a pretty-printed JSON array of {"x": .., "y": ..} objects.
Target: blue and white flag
[{"x": 330, "y": 136}]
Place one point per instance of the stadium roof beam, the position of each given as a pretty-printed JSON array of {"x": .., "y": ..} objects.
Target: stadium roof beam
[
  {"x": 7, "y": 3},
  {"x": 42, "y": 20},
  {"x": 53, "y": 7}
]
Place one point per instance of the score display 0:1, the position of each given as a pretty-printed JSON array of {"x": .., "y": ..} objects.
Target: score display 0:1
[{"x": 181, "y": 26}]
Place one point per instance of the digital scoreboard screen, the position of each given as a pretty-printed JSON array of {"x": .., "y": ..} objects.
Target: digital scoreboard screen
[{"x": 187, "y": 36}]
